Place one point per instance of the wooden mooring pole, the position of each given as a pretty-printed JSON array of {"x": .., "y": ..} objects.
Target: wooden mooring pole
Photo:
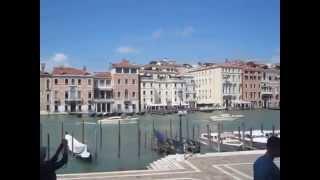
[
  {"x": 119, "y": 139},
  {"x": 261, "y": 127},
  {"x": 273, "y": 128},
  {"x": 219, "y": 138},
  {"x": 41, "y": 134},
  {"x": 170, "y": 128},
  {"x": 251, "y": 138},
  {"x": 100, "y": 135},
  {"x": 83, "y": 131},
  {"x": 187, "y": 128},
  {"x": 243, "y": 131},
  {"x": 139, "y": 138},
  {"x": 72, "y": 143},
  {"x": 48, "y": 146},
  {"x": 209, "y": 135},
  {"x": 62, "y": 130},
  {"x": 145, "y": 139},
  {"x": 193, "y": 132},
  {"x": 180, "y": 128}
]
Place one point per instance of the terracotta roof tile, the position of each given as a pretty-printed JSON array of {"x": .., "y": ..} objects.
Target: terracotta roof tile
[
  {"x": 102, "y": 75},
  {"x": 125, "y": 64},
  {"x": 69, "y": 71}
]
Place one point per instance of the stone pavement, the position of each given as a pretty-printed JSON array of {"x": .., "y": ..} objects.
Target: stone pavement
[{"x": 226, "y": 165}]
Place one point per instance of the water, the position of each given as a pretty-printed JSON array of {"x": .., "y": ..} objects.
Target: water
[{"x": 108, "y": 160}]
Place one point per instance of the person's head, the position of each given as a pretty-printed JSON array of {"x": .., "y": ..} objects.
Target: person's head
[
  {"x": 273, "y": 146},
  {"x": 42, "y": 154}
]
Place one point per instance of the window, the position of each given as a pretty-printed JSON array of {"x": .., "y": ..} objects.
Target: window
[
  {"x": 48, "y": 108},
  {"x": 79, "y": 81},
  {"x": 254, "y": 95},
  {"x": 72, "y": 81},
  {"x": 133, "y": 70},
  {"x": 259, "y": 78},
  {"x": 175, "y": 99},
  {"x": 246, "y": 95},
  {"x": 159, "y": 85},
  {"x": 119, "y": 81},
  {"x": 119, "y": 70},
  {"x": 89, "y": 81},
  {"x": 89, "y": 95},
  {"x": 55, "y": 81},
  {"x": 48, "y": 83},
  {"x": 126, "y": 93},
  {"x": 144, "y": 99},
  {"x": 66, "y": 81},
  {"x": 126, "y": 70},
  {"x": 133, "y": 81},
  {"x": 254, "y": 85},
  {"x": 66, "y": 95},
  {"x": 119, "y": 93},
  {"x": 159, "y": 100},
  {"x": 269, "y": 78},
  {"x": 259, "y": 94},
  {"x": 175, "y": 92},
  {"x": 159, "y": 92},
  {"x": 151, "y": 99},
  {"x": 79, "y": 94},
  {"x": 144, "y": 92},
  {"x": 126, "y": 81},
  {"x": 126, "y": 106},
  {"x": 66, "y": 108},
  {"x": 150, "y": 92},
  {"x": 89, "y": 107},
  {"x": 56, "y": 108},
  {"x": 150, "y": 84},
  {"x": 48, "y": 97},
  {"x": 133, "y": 106},
  {"x": 166, "y": 93},
  {"x": 250, "y": 94},
  {"x": 175, "y": 85},
  {"x": 246, "y": 85},
  {"x": 55, "y": 94},
  {"x": 144, "y": 84},
  {"x": 133, "y": 94},
  {"x": 79, "y": 107},
  {"x": 254, "y": 77}
]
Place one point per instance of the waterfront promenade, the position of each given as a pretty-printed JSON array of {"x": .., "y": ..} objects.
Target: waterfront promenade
[{"x": 226, "y": 165}]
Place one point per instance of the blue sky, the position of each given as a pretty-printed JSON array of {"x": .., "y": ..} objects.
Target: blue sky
[{"x": 97, "y": 32}]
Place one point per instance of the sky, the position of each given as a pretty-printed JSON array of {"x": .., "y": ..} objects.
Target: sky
[{"x": 95, "y": 33}]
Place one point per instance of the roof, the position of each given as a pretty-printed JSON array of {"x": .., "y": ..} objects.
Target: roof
[
  {"x": 102, "y": 75},
  {"x": 69, "y": 71},
  {"x": 124, "y": 64}
]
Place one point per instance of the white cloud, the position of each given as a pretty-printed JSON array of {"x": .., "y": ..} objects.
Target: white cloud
[
  {"x": 58, "y": 59},
  {"x": 157, "y": 34},
  {"x": 187, "y": 31},
  {"x": 126, "y": 50}
]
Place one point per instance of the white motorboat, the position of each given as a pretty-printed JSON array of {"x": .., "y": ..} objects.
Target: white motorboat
[
  {"x": 258, "y": 137},
  {"x": 182, "y": 112},
  {"x": 225, "y": 117},
  {"x": 77, "y": 148},
  {"x": 116, "y": 119},
  {"x": 226, "y": 139}
]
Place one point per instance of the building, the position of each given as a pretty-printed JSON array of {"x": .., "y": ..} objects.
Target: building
[
  {"x": 45, "y": 90},
  {"x": 103, "y": 93},
  {"x": 251, "y": 84},
  {"x": 218, "y": 85},
  {"x": 72, "y": 90},
  {"x": 270, "y": 88},
  {"x": 125, "y": 87},
  {"x": 162, "y": 87}
]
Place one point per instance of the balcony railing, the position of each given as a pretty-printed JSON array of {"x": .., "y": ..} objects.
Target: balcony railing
[{"x": 104, "y": 87}]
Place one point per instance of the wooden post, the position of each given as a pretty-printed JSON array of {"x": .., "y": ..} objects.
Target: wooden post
[
  {"x": 261, "y": 127},
  {"x": 198, "y": 132},
  {"x": 119, "y": 140},
  {"x": 187, "y": 128},
  {"x": 239, "y": 133},
  {"x": 96, "y": 149},
  {"x": 193, "y": 132},
  {"x": 48, "y": 146},
  {"x": 170, "y": 128},
  {"x": 209, "y": 135},
  {"x": 41, "y": 132},
  {"x": 219, "y": 139},
  {"x": 180, "y": 128},
  {"x": 243, "y": 131},
  {"x": 62, "y": 130},
  {"x": 139, "y": 136},
  {"x": 273, "y": 128},
  {"x": 145, "y": 139},
  {"x": 251, "y": 138},
  {"x": 72, "y": 143},
  {"x": 83, "y": 131},
  {"x": 100, "y": 135}
]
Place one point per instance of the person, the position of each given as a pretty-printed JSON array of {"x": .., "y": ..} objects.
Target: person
[
  {"x": 48, "y": 168},
  {"x": 264, "y": 168}
]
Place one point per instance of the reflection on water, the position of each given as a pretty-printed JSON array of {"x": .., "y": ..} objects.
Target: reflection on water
[{"x": 107, "y": 159}]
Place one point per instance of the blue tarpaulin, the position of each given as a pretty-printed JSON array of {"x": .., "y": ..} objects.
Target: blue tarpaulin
[{"x": 160, "y": 136}]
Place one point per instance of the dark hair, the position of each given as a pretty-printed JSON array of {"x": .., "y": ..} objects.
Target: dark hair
[{"x": 273, "y": 142}]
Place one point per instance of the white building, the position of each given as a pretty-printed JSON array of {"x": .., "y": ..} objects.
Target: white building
[
  {"x": 217, "y": 85},
  {"x": 270, "y": 88},
  {"x": 103, "y": 92},
  {"x": 161, "y": 87}
]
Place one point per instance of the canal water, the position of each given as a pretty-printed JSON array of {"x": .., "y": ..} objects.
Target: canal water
[{"x": 107, "y": 154}]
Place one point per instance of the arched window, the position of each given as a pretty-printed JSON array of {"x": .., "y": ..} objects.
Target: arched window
[{"x": 126, "y": 92}]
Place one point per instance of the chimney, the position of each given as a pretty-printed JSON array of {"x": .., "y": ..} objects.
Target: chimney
[
  {"x": 43, "y": 66},
  {"x": 84, "y": 68}
]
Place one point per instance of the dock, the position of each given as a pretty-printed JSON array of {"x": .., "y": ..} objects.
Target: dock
[{"x": 224, "y": 165}]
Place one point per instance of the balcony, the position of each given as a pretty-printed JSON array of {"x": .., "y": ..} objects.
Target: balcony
[
  {"x": 104, "y": 87},
  {"x": 73, "y": 99},
  {"x": 99, "y": 100},
  {"x": 266, "y": 92}
]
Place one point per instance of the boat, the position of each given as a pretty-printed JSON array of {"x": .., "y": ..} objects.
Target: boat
[
  {"x": 116, "y": 119},
  {"x": 227, "y": 141},
  {"x": 225, "y": 117},
  {"x": 259, "y": 138},
  {"x": 92, "y": 114},
  {"x": 182, "y": 112},
  {"x": 206, "y": 109},
  {"x": 77, "y": 148}
]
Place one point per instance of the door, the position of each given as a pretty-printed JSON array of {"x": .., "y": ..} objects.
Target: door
[{"x": 73, "y": 107}]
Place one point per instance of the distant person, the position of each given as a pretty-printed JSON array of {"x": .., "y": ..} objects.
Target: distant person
[
  {"x": 264, "y": 168},
  {"x": 48, "y": 168}
]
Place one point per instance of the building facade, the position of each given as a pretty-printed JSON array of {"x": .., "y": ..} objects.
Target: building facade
[
  {"x": 218, "y": 85},
  {"x": 103, "y": 93},
  {"x": 125, "y": 87},
  {"x": 45, "y": 91},
  {"x": 72, "y": 90},
  {"x": 270, "y": 88},
  {"x": 162, "y": 87}
]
